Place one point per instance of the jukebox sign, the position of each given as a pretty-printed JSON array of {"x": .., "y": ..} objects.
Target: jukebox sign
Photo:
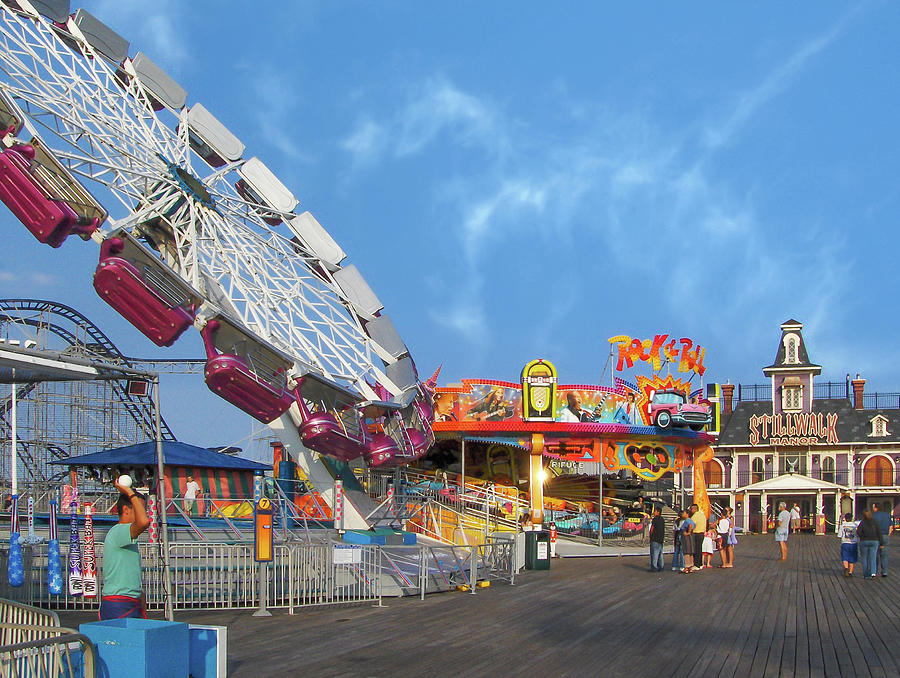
[{"x": 538, "y": 391}]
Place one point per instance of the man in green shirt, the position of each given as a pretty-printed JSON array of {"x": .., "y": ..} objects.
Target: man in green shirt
[{"x": 122, "y": 595}]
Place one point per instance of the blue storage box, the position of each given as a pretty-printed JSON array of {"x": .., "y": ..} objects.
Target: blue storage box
[
  {"x": 140, "y": 648},
  {"x": 209, "y": 651}
]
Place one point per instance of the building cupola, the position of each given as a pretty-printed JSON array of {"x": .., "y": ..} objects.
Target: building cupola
[{"x": 792, "y": 372}]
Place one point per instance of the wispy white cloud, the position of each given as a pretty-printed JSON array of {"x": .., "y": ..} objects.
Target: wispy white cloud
[
  {"x": 433, "y": 108},
  {"x": 365, "y": 143},
  {"x": 275, "y": 110},
  {"x": 440, "y": 107},
  {"x": 622, "y": 185},
  {"x": 28, "y": 278},
  {"x": 750, "y": 101},
  {"x": 159, "y": 28}
]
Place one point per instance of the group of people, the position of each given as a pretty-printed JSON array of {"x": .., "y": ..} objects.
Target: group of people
[
  {"x": 697, "y": 539},
  {"x": 866, "y": 540}
]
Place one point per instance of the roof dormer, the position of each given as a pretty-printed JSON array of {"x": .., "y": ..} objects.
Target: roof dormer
[{"x": 879, "y": 426}]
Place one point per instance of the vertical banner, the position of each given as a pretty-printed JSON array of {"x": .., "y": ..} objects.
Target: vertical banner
[
  {"x": 54, "y": 567},
  {"x": 15, "y": 567},
  {"x": 76, "y": 587},
  {"x": 339, "y": 505},
  {"x": 88, "y": 567},
  {"x": 151, "y": 514},
  {"x": 390, "y": 497},
  {"x": 32, "y": 538}
]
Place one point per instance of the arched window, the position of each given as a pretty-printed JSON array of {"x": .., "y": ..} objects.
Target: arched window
[
  {"x": 791, "y": 355},
  {"x": 828, "y": 469},
  {"x": 712, "y": 471},
  {"x": 878, "y": 471},
  {"x": 757, "y": 474}
]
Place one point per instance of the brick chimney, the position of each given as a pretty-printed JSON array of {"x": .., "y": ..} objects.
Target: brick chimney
[
  {"x": 858, "y": 386},
  {"x": 727, "y": 395}
]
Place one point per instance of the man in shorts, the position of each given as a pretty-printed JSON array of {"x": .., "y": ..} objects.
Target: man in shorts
[
  {"x": 795, "y": 519},
  {"x": 782, "y": 528}
]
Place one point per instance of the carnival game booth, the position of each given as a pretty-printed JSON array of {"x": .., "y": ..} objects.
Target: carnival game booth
[{"x": 226, "y": 481}]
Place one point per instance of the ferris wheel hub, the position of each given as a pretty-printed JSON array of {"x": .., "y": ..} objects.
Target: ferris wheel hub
[{"x": 191, "y": 186}]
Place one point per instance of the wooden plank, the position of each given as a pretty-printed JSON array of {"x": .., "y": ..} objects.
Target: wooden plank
[{"x": 597, "y": 616}]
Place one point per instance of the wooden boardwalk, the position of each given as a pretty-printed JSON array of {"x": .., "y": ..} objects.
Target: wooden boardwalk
[{"x": 600, "y": 617}]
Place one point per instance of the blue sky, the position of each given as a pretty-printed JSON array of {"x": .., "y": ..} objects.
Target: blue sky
[{"x": 518, "y": 180}]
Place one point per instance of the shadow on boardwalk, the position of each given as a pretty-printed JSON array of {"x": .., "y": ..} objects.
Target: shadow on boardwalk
[{"x": 600, "y": 617}]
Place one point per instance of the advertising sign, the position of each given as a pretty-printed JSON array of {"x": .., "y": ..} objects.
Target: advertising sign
[
  {"x": 659, "y": 351},
  {"x": 798, "y": 428},
  {"x": 538, "y": 390}
]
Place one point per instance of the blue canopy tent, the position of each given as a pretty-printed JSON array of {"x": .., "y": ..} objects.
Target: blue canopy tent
[{"x": 221, "y": 476}]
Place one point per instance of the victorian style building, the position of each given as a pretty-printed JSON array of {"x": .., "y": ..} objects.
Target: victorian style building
[{"x": 829, "y": 447}]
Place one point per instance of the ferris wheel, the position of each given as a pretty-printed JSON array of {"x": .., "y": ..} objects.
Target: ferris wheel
[{"x": 99, "y": 143}]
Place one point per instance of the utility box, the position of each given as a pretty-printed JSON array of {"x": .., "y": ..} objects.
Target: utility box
[
  {"x": 140, "y": 648},
  {"x": 537, "y": 550}
]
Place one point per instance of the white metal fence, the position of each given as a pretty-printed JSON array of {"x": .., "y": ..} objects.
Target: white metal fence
[{"x": 209, "y": 575}]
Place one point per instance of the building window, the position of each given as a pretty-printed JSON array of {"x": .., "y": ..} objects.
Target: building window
[
  {"x": 879, "y": 426},
  {"x": 791, "y": 462},
  {"x": 828, "y": 469},
  {"x": 878, "y": 471},
  {"x": 712, "y": 472},
  {"x": 757, "y": 474},
  {"x": 791, "y": 398},
  {"x": 791, "y": 352}
]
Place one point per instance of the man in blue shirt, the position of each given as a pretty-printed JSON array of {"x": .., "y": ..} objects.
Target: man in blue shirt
[{"x": 886, "y": 525}]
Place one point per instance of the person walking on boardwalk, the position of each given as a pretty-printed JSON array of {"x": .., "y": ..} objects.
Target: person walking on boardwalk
[
  {"x": 795, "y": 518},
  {"x": 783, "y": 528},
  {"x": 698, "y": 517},
  {"x": 687, "y": 541},
  {"x": 122, "y": 594},
  {"x": 886, "y": 525},
  {"x": 678, "y": 555},
  {"x": 849, "y": 544},
  {"x": 869, "y": 540},
  {"x": 723, "y": 534},
  {"x": 657, "y": 537}
]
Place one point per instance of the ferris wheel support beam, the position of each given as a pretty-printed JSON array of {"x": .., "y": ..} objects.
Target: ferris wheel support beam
[{"x": 355, "y": 508}]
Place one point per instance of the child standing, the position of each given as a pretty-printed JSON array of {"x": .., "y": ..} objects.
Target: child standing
[
  {"x": 678, "y": 557},
  {"x": 709, "y": 547},
  {"x": 849, "y": 544}
]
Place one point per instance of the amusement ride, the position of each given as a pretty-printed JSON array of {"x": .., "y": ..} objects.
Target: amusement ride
[{"x": 99, "y": 145}]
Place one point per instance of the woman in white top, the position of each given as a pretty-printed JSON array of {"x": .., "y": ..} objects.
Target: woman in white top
[{"x": 724, "y": 528}]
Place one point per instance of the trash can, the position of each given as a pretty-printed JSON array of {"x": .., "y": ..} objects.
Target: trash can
[{"x": 537, "y": 550}]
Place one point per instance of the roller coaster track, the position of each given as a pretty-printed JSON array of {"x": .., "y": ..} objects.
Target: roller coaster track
[{"x": 95, "y": 343}]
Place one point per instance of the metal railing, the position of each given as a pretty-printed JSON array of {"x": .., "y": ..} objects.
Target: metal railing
[
  {"x": 58, "y": 652},
  {"x": 881, "y": 401},
  {"x": 32, "y": 643},
  {"x": 838, "y": 477},
  {"x": 222, "y": 576}
]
